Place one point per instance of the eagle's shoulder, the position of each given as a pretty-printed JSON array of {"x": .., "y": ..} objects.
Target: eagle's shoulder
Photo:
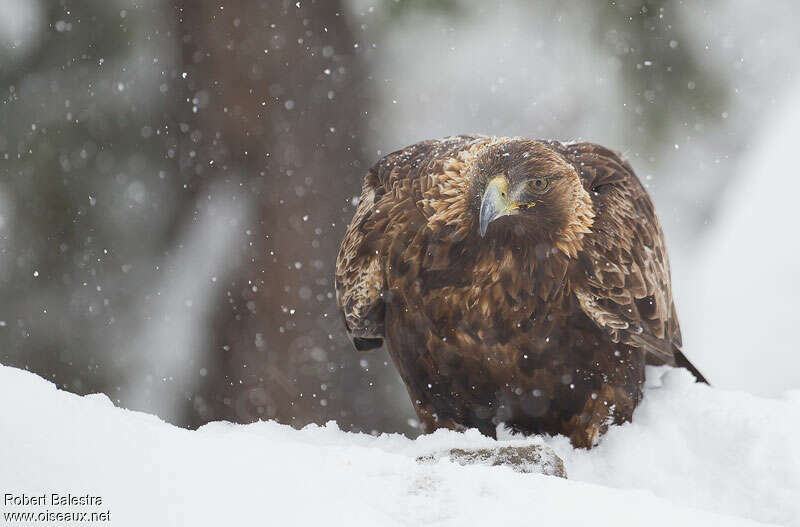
[
  {"x": 623, "y": 282},
  {"x": 427, "y": 188},
  {"x": 416, "y": 160},
  {"x": 406, "y": 195}
]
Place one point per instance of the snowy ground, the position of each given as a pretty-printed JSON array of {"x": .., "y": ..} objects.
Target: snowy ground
[{"x": 694, "y": 456}]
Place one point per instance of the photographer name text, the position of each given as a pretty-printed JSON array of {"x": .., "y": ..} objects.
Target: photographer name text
[{"x": 51, "y": 499}]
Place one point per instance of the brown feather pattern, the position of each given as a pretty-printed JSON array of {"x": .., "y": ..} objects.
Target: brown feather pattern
[{"x": 544, "y": 325}]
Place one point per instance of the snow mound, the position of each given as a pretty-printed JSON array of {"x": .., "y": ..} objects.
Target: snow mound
[{"x": 694, "y": 456}]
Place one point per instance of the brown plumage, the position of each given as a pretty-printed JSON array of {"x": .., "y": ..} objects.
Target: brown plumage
[{"x": 514, "y": 281}]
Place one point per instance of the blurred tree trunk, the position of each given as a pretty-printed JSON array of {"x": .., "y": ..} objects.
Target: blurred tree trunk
[{"x": 273, "y": 108}]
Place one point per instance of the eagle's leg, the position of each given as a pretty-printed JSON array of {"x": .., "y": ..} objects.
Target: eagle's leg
[
  {"x": 430, "y": 421},
  {"x": 613, "y": 405}
]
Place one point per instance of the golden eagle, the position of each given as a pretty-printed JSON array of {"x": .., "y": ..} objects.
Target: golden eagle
[{"x": 515, "y": 281}]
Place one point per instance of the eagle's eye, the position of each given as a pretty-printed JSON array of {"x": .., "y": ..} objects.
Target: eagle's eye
[{"x": 539, "y": 184}]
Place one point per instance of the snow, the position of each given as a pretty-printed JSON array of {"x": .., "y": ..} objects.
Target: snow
[
  {"x": 739, "y": 307},
  {"x": 694, "y": 456},
  {"x": 20, "y": 26}
]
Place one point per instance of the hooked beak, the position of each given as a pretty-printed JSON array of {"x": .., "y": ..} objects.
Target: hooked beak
[{"x": 495, "y": 203}]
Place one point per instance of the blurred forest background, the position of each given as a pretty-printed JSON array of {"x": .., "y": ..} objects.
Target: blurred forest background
[{"x": 175, "y": 175}]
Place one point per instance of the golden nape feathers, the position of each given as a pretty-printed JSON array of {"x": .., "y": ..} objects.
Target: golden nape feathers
[{"x": 514, "y": 281}]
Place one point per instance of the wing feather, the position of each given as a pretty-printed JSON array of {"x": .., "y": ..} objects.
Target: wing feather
[
  {"x": 359, "y": 277},
  {"x": 625, "y": 287},
  {"x": 391, "y": 218}
]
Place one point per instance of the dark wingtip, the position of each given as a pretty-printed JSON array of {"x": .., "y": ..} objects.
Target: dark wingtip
[
  {"x": 682, "y": 362},
  {"x": 367, "y": 344}
]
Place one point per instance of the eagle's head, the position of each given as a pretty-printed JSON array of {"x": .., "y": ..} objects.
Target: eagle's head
[{"x": 525, "y": 188}]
